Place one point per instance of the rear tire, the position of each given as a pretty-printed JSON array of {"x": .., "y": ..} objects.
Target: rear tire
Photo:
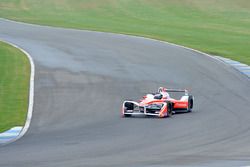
[{"x": 190, "y": 103}]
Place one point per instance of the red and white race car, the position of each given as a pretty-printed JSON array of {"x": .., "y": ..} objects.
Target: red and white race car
[{"x": 159, "y": 104}]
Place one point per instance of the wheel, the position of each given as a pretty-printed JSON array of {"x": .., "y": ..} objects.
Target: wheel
[
  {"x": 170, "y": 110},
  {"x": 190, "y": 103},
  {"x": 128, "y": 106},
  {"x": 127, "y": 115}
]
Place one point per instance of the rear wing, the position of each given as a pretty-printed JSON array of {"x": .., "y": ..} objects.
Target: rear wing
[{"x": 177, "y": 90}]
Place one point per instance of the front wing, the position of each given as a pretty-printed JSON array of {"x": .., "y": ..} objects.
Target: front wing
[{"x": 130, "y": 108}]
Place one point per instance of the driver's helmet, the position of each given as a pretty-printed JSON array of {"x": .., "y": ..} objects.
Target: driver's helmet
[
  {"x": 162, "y": 89},
  {"x": 164, "y": 92}
]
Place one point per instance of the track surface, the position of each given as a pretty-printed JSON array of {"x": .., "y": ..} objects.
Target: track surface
[{"x": 81, "y": 80}]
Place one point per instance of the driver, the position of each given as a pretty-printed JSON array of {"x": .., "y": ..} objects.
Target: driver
[{"x": 163, "y": 92}]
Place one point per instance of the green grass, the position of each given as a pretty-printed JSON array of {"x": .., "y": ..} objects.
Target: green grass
[
  {"x": 14, "y": 87},
  {"x": 219, "y": 27}
]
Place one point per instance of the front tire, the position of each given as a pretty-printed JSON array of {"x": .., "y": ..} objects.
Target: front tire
[
  {"x": 170, "y": 110},
  {"x": 128, "y": 106},
  {"x": 127, "y": 115}
]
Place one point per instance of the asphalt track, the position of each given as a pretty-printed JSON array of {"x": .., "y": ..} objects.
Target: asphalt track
[{"x": 81, "y": 79}]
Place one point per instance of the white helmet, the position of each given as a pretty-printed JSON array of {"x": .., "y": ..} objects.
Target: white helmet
[
  {"x": 164, "y": 92},
  {"x": 162, "y": 89}
]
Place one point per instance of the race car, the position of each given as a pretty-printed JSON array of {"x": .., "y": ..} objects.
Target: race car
[{"x": 159, "y": 104}]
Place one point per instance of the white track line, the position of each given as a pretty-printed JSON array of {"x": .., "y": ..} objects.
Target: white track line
[{"x": 31, "y": 93}]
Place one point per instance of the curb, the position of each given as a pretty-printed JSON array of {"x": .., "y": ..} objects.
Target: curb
[
  {"x": 31, "y": 95},
  {"x": 10, "y": 134},
  {"x": 243, "y": 68}
]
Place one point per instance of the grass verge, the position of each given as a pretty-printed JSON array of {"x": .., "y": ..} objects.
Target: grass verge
[
  {"x": 14, "y": 86},
  {"x": 219, "y": 27}
]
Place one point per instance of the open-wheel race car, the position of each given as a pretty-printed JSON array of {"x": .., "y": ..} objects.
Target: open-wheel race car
[{"x": 159, "y": 104}]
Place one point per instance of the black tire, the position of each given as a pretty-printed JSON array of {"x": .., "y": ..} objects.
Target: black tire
[
  {"x": 190, "y": 103},
  {"x": 170, "y": 110},
  {"x": 127, "y": 115},
  {"x": 128, "y": 106}
]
